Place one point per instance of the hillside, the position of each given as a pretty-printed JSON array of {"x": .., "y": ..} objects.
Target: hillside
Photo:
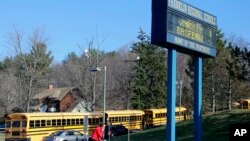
[{"x": 215, "y": 127}]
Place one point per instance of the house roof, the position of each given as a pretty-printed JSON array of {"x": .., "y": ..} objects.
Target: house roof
[{"x": 57, "y": 93}]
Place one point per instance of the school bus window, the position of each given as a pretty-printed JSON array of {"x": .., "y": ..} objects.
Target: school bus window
[
  {"x": 42, "y": 123},
  {"x": 90, "y": 121},
  {"x": 37, "y": 123},
  {"x": 53, "y": 122},
  {"x": 24, "y": 123},
  {"x": 150, "y": 115},
  {"x": 48, "y": 123},
  {"x": 16, "y": 124},
  {"x": 63, "y": 121},
  {"x": 77, "y": 121},
  {"x": 116, "y": 119},
  {"x": 7, "y": 124},
  {"x": 73, "y": 121},
  {"x": 32, "y": 123},
  {"x": 59, "y": 122},
  {"x": 81, "y": 121},
  {"x": 68, "y": 122},
  {"x": 133, "y": 118}
]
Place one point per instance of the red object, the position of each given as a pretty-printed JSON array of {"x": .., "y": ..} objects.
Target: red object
[{"x": 97, "y": 134}]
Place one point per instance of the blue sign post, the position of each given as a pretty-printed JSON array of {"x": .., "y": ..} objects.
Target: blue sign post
[
  {"x": 181, "y": 27},
  {"x": 171, "y": 97},
  {"x": 197, "y": 98}
]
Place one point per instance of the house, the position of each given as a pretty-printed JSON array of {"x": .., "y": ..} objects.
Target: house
[
  {"x": 55, "y": 99},
  {"x": 78, "y": 106}
]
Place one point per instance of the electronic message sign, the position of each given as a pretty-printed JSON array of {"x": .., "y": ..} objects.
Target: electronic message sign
[{"x": 181, "y": 26}]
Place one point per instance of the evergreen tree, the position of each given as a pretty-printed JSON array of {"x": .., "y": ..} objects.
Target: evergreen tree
[
  {"x": 33, "y": 67},
  {"x": 238, "y": 71},
  {"x": 214, "y": 71},
  {"x": 149, "y": 83},
  {"x": 214, "y": 75}
]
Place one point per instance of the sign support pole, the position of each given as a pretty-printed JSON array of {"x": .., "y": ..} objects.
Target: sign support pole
[
  {"x": 197, "y": 98},
  {"x": 171, "y": 94}
]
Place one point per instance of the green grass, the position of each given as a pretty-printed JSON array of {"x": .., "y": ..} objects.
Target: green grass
[
  {"x": 215, "y": 128},
  {"x": 2, "y": 137}
]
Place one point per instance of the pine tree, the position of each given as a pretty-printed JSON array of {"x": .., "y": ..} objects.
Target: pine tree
[
  {"x": 33, "y": 67},
  {"x": 149, "y": 83},
  {"x": 214, "y": 71}
]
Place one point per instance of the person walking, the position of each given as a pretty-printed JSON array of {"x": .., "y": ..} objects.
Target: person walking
[{"x": 97, "y": 134}]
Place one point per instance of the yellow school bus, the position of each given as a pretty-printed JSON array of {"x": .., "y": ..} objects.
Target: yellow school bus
[
  {"x": 34, "y": 126},
  {"x": 244, "y": 104},
  {"x": 158, "y": 117},
  {"x": 131, "y": 119}
]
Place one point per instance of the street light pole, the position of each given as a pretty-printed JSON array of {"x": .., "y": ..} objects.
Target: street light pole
[
  {"x": 180, "y": 92},
  {"x": 104, "y": 96}
]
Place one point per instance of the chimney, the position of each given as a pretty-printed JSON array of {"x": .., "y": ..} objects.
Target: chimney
[{"x": 50, "y": 87}]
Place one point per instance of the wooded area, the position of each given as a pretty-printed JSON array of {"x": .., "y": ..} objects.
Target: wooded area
[{"x": 131, "y": 83}]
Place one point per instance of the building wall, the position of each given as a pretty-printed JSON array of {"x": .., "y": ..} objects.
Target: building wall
[
  {"x": 79, "y": 107},
  {"x": 66, "y": 101}
]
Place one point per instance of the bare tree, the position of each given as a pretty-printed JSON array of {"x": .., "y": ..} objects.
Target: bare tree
[
  {"x": 9, "y": 95},
  {"x": 32, "y": 66}
]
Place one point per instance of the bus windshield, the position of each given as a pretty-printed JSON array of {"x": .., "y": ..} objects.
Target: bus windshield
[{"x": 16, "y": 124}]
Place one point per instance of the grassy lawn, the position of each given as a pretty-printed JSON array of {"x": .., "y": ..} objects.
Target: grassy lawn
[
  {"x": 215, "y": 128},
  {"x": 1, "y": 137}
]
